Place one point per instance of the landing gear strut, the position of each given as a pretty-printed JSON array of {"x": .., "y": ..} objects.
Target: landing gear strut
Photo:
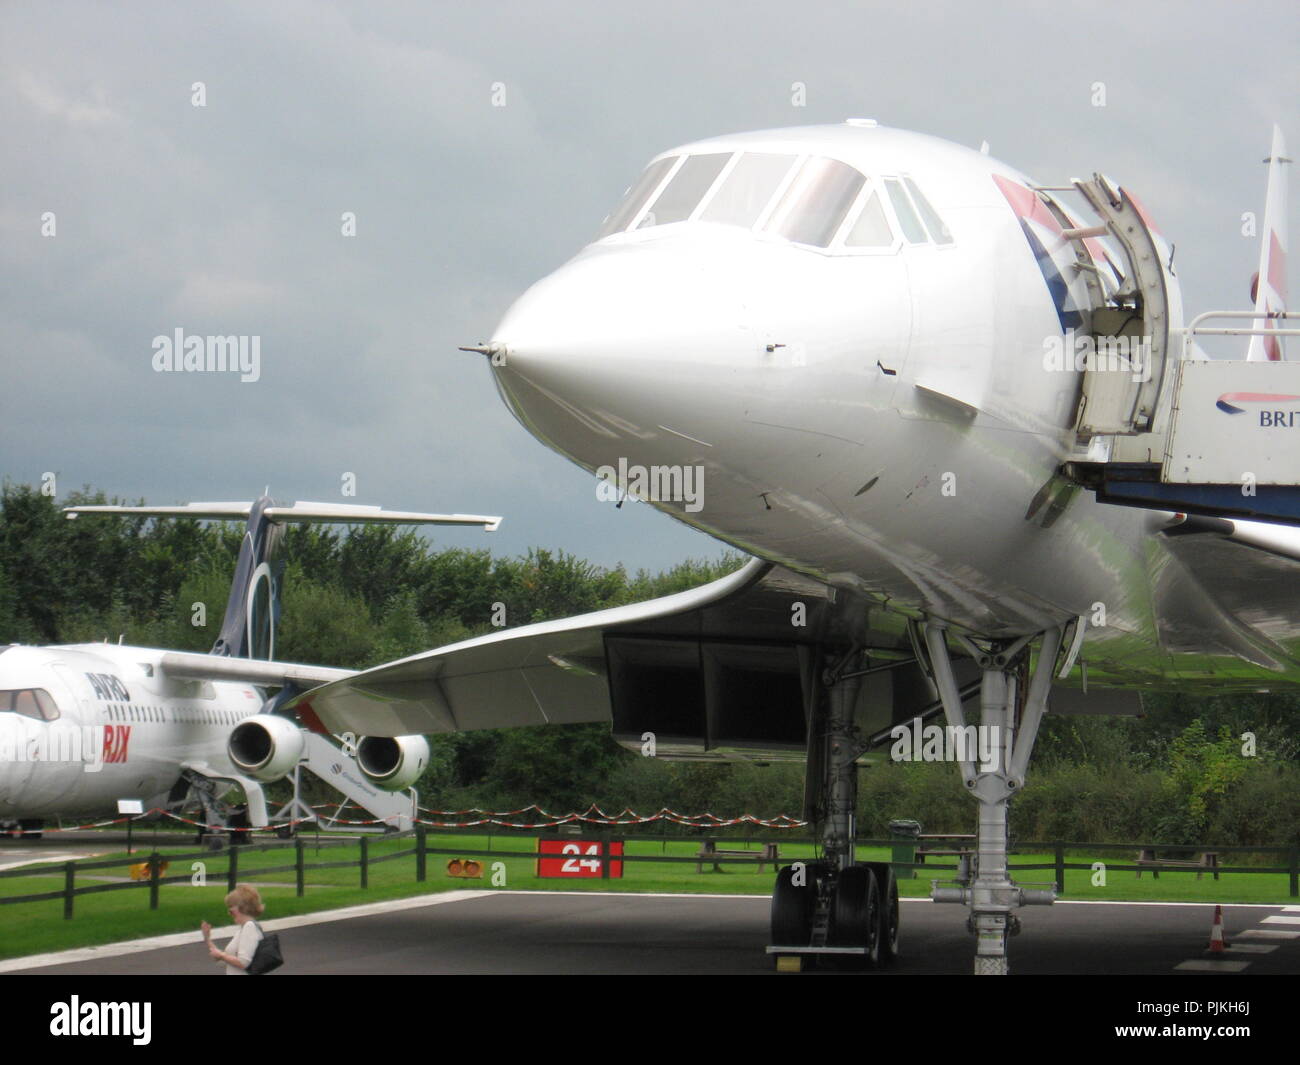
[
  {"x": 1010, "y": 731},
  {"x": 836, "y": 907}
]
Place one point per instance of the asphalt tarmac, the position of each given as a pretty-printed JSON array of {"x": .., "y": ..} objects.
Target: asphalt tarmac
[{"x": 478, "y": 932}]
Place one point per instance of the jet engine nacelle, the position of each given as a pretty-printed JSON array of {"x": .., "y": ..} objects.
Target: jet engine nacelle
[
  {"x": 392, "y": 762},
  {"x": 266, "y": 747}
]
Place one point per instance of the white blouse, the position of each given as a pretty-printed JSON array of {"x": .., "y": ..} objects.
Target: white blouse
[{"x": 243, "y": 947}]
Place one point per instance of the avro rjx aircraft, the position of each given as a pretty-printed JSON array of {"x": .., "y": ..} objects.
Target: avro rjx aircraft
[
  {"x": 84, "y": 726},
  {"x": 851, "y": 352}
]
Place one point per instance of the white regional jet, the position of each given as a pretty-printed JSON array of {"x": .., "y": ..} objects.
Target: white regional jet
[
  {"x": 84, "y": 726},
  {"x": 854, "y": 352}
]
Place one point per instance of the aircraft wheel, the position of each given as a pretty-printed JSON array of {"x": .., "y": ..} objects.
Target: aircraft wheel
[
  {"x": 286, "y": 832},
  {"x": 855, "y": 916},
  {"x": 31, "y": 829},
  {"x": 792, "y": 907},
  {"x": 889, "y": 916}
]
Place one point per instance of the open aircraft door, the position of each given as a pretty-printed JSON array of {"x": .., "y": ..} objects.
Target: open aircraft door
[{"x": 1132, "y": 329}]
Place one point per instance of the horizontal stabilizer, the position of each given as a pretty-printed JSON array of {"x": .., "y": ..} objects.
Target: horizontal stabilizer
[{"x": 253, "y": 608}]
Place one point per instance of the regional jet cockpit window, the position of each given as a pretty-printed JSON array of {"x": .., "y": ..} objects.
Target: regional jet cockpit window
[
  {"x": 29, "y": 702},
  {"x": 816, "y": 202}
]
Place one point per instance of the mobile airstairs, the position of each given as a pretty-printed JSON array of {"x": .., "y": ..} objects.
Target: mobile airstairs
[
  {"x": 1158, "y": 425},
  {"x": 337, "y": 766}
]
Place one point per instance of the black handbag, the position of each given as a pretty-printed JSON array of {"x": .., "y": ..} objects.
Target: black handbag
[{"x": 267, "y": 958}]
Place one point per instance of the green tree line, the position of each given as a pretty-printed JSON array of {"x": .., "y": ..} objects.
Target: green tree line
[{"x": 361, "y": 596}]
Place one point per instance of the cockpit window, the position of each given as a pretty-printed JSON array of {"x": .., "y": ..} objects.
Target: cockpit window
[
  {"x": 871, "y": 229},
  {"x": 29, "y": 702},
  {"x": 816, "y": 199},
  {"x": 636, "y": 196},
  {"x": 933, "y": 222},
  {"x": 747, "y": 189},
  {"x": 683, "y": 193},
  {"x": 912, "y": 228},
  {"x": 816, "y": 202}
]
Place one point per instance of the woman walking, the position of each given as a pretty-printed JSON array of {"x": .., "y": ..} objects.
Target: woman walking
[{"x": 244, "y": 905}]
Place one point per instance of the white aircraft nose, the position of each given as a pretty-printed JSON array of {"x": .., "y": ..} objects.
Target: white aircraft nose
[
  {"x": 12, "y": 735},
  {"x": 618, "y": 343}
]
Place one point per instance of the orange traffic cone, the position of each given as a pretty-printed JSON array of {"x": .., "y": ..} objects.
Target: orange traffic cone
[{"x": 1217, "y": 942}]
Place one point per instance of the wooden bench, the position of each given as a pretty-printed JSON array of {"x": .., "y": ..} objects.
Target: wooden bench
[
  {"x": 709, "y": 849},
  {"x": 934, "y": 846},
  {"x": 1208, "y": 860}
]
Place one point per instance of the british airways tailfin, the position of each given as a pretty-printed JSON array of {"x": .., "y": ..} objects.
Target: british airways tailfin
[
  {"x": 253, "y": 609},
  {"x": 1269, "y": 288}
]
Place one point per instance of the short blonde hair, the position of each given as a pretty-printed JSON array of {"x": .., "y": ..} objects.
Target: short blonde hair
[{"x": 246, "y": 900}]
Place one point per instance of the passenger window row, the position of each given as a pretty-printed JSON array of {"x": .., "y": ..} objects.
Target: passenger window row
[
  {"x": 37, "y": 704},
  {"x": 182, "y": 715},
  {"x": 809, "y": 200}
]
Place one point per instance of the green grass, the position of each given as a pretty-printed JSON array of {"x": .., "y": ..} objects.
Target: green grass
[{"x": 107, "y": 917}]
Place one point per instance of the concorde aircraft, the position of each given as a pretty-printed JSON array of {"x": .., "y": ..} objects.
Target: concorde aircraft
[
  {"x": 881, "y": 364},
  {"x": 84, "y": 726}
]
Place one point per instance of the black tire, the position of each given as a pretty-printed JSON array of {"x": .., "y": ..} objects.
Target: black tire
[
  {"x": 286, "y": 832},
  {"x": 855, "y": 917},
  {"x": 889, "y": 915},
  {"x": 31, "y": 829},
  {"x": 792, "y": 907}
]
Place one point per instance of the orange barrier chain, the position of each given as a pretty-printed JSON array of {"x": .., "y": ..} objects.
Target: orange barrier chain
[{"x": 593, "y": 815}]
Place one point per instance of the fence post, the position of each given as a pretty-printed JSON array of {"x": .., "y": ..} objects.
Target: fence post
[
  {"x": 154, "y": 862},
  {"x": 232, "y": 868},
  {"x": 298, "y": 866},
  {"x": 1295, "y": 870},
  {"x": 365, "y": 858},
  {"x": 421, "y": 858},
  {"x": 1060, "y": 867},
  {"x": 69, "y": 878}
]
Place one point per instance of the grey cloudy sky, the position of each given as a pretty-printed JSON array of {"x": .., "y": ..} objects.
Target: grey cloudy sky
[{"x": 225, "y": 219}]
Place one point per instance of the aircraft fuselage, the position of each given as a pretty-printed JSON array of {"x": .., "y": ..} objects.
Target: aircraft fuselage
[{"x": 885, "y": 417}]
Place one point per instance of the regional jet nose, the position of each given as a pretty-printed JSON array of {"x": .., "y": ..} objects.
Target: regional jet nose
[
  {"x": 622, "y": 342},
  {"x": 13, "y": 741}
]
